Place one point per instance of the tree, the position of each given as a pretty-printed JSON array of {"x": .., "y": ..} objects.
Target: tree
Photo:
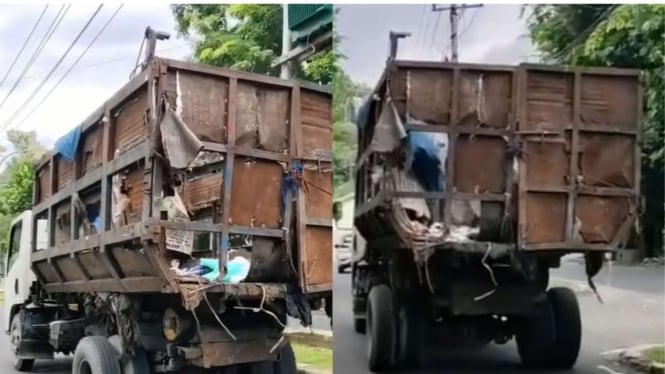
[
  {"x": 245, "y": 37},
  {"x": 16, "y": 180},
  {"x": 628, "y": 36}
]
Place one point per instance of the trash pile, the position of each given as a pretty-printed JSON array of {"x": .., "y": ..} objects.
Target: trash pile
[{"x": 208, "y": 269}]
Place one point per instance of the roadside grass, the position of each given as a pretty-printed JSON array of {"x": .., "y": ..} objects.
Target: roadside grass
[
  {"x": 312, "y": 358},
  {"x": 656, "y": 354}
]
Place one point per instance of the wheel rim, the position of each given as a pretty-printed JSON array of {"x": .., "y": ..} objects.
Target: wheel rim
[{"x": 15, "y": 339}]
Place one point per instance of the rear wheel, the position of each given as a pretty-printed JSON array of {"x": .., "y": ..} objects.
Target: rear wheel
[
  {"x": 20, "y": 364},
  {"x": 381, "y": 329},
  {"x": 551, "y": 337},
  {"x": 95, "y": 355},
  {"x": 567, "y": 327}
]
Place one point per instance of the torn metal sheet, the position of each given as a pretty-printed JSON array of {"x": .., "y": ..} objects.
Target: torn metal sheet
[
  {"x": 181, "y": 145},
  {"x": 388, "y": 132}
]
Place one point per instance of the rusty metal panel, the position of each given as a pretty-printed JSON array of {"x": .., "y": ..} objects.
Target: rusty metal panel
[
  {"x": 91, "y": 149},
  {"x": 70, "y": 270},
  {"x": 318, "y": 183},
  {"x": 488, "y": 151},
  {"x": 64, "y": 172},
  {"x": 47, "y": 271},
  {"x": 43, "y": 183},
  {"x": 132, "y": 262},
  {"x": 129, "y": 122},
  {"x": 549, "y": 101},
  {"x": 485, "y": 97},
  {"x": 255, "y": 193},
  {"x": 203, "y": 100},
  {"x": 262, "y": 117},
  {"x": 580, "y": 183},
  {"x": 203, "y": 192},
  {"x": 134, "y": 185},
  {"x": 316, "y": 120},
  {"x": 319, "y": 256},
  {"x": 93, "y": 265}
]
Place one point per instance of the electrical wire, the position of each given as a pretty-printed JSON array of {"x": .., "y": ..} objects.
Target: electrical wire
[
  {"x": 583, "y": 35},
  {"x": 436, "y": 28},
  {"x": 45, "y": 39},
  {"x": 420, "y": 26},
  {"x": 422, "y": 40},
  {"x": 25, "y": 44},
  {"x": 466, "y": 28},
  {"x": 32, "y": 95},
  {"x": 99, "y": 33}
]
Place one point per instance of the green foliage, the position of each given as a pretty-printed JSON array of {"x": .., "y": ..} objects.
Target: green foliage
[
  {"x": 16, "y": 180},
  {"x": 246, "y": 37},
  {"x": 627, "y": 36}
]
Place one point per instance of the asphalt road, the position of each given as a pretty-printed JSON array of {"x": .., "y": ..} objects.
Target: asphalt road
[
  {"x": 626, "y": 318},
  {"x": 62, "y": 365}
]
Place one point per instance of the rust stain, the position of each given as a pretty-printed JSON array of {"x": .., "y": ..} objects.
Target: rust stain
[
  {"x": 480, "y": 150},
  {"x": 256, "y": 193}
]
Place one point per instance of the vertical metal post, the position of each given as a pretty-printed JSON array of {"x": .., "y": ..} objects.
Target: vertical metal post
[{"x": 453, "y": 32}]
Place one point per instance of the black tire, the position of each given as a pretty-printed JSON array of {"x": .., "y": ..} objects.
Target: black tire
[
  {"x": 535, "y": 336},
  {"x": 381, "y": 329},
  {"x": 96, "y": 355},
  {"x": 567, "y": 328},
  {"x": 20, "y": 364},
  {"x": 359, "y": 325},
  {"x": 286, "y": 362},
  {"x": 410, "y": 337}
]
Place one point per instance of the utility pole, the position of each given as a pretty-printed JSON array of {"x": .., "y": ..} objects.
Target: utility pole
[
  {"x": 454, "y": 20},
  {"x": 286, "y": 42}
]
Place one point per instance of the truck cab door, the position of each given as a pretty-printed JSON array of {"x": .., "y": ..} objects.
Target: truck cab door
[{"x": 18, "y": 275}]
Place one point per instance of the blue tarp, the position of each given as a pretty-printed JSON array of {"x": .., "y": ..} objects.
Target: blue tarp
[
  {"x": 425, "y": 162},
  {"x": 290, "y": 183},
  {"x": 66, "y": 146}
]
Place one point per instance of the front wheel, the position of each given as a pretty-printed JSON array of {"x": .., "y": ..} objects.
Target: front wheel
[
  {"x": 95, "y": 355},
  {"x": 20, "y": 364}
]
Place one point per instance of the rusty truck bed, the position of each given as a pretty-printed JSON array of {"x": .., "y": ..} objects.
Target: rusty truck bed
[
  {"x": 550, "y": 155},
  {"x": 252, "y": 130}
]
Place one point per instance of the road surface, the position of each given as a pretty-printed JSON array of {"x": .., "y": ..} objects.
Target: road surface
[
  {"x": 626, "y": 318},
  {"x": 62, "y": 365}
]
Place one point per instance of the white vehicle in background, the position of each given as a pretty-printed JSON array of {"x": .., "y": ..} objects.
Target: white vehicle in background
[{"x": 343, "y": 242}]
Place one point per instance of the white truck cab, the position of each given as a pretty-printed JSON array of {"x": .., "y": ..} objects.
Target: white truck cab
[{"x": 18, "y": 273}]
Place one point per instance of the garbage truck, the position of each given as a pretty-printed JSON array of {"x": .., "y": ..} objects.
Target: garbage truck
[
  {"x": 177, "y": 227},
  {"x": 472, "y": 181}
]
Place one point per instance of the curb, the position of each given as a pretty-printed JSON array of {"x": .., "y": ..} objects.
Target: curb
[
  {"x": 315, "y": 338},
  {"x": 632, "y": 357}
]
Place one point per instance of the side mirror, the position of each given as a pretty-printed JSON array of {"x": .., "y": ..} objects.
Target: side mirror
[{"x": 337, "y": 211}]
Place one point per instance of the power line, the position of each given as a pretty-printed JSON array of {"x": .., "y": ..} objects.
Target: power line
[
  {"x": 420, "y": 45},
  {"x": 420, "y": 26},
  {"x": 25, "y": 44},
  {"x": 468, "y": 25},
  {"x": 454, "y": 18},
  {"x": 71, "y": 67},
  {"x": 110, "y": 61},
  {"x": 26, "y": 102},
  {"x": 436, "y": 27},
  {"x": 583, "y": 35},
  {"x": 45, "y": 39}
]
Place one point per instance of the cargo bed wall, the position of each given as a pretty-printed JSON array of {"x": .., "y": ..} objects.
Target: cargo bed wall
[
  {"x": 253, "y": 129},
  {"x": 553, "y": 153}
]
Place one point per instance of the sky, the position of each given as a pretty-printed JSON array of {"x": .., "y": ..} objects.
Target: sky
[
  {"x": 493, "y": 34},
  {"x": 98, "y": 75}
]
